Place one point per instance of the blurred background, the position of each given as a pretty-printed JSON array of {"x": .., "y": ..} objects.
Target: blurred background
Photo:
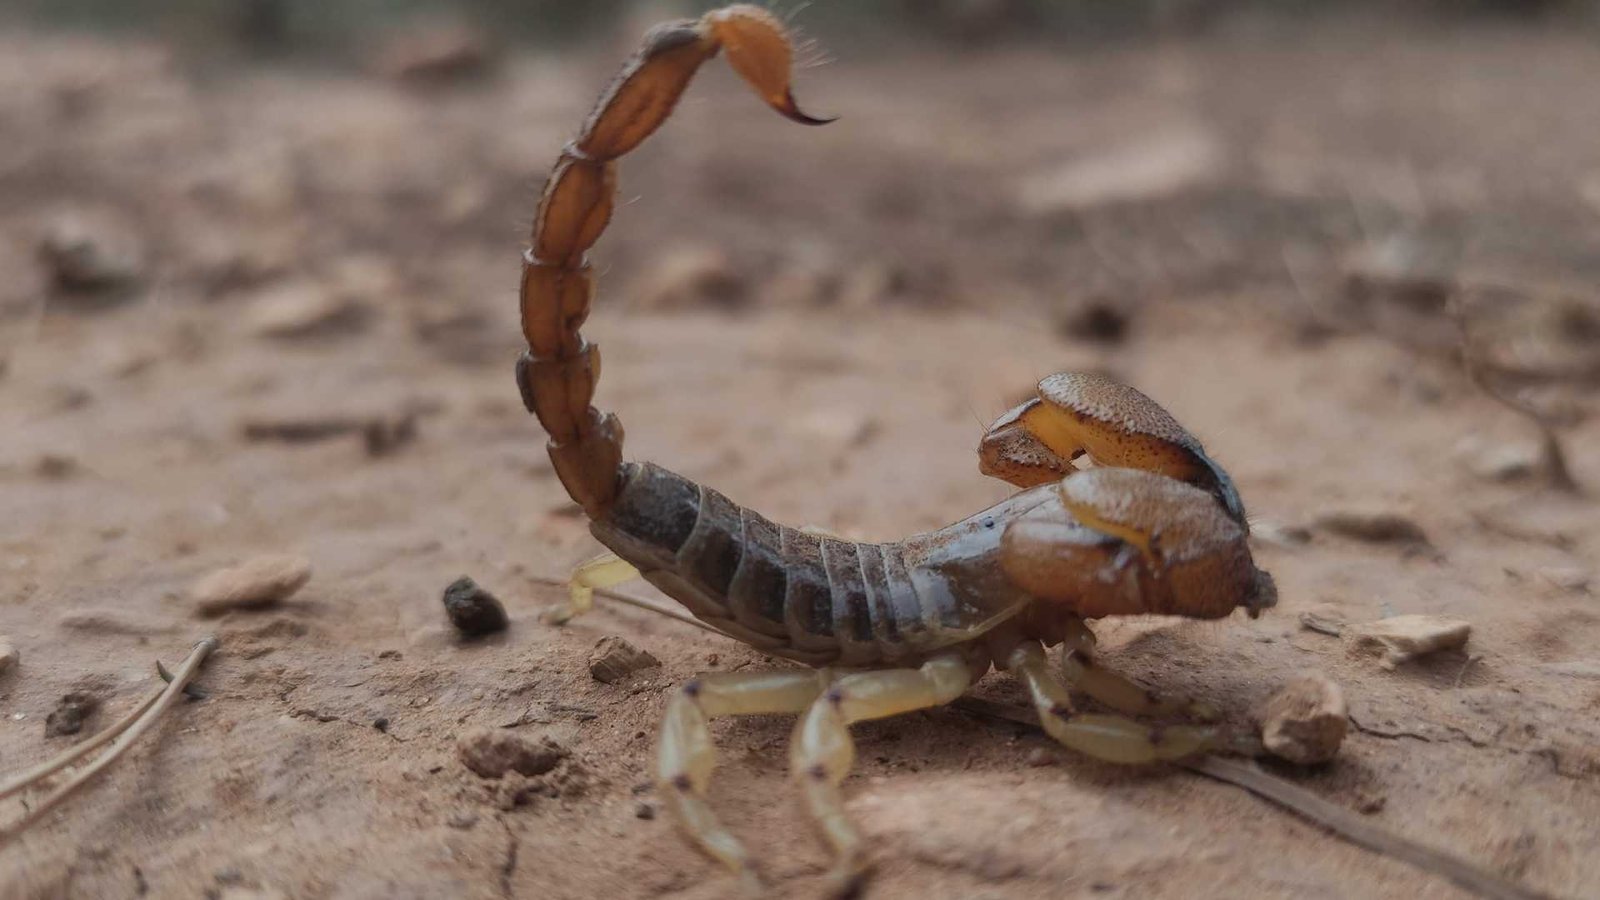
[{"x": 258, "y": 264}]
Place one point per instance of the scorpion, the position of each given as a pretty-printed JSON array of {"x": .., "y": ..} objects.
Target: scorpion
[{"x": 1153, "y": 526}]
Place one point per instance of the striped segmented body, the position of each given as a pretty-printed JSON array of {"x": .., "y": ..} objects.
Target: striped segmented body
[{"x": 810, "y": 597}]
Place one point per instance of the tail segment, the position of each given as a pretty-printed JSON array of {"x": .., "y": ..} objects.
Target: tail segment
[{"x": 558, "y": 372}]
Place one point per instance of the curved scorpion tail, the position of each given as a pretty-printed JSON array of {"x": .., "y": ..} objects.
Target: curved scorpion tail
[{"x": 558, "y": 372}]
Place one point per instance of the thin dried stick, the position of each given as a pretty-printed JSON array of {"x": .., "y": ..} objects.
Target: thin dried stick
[
  {"x": 125, "y": 733},
  {"x": 77, "y": 751},
  {"x": 1342, "y": 822},
  {"x": 635, "y": 602}
]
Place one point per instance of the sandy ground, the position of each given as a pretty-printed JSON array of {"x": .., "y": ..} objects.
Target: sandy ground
[{"x": 884, "y": 287}]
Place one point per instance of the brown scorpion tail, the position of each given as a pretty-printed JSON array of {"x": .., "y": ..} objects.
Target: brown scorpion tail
[{"x": 557, "y": 374}]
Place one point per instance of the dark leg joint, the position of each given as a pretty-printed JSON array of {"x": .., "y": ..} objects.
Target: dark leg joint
[
  {"x": 1061, "y": 711},
  {"x": 818, "y": 772},
  {"x": 835, "y": 696},
  {"x": 691, "y": 689},
  {"x": 682, "y": 783}
]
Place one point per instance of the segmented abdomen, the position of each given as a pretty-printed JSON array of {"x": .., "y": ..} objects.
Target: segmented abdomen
[{"x": 789, "y": 592}]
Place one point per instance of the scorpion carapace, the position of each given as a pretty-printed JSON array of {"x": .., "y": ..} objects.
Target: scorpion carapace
[{"x": 1155, "y": 527}]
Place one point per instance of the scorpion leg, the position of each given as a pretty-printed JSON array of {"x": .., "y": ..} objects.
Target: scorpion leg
[
  {"x": 1080, "y": 670},
  {"x": 1109, "y": 738},
  {"x": 822, "y": 751},
  {"x": 686, "y": 756},
  {"x": 605, "y": 570}
]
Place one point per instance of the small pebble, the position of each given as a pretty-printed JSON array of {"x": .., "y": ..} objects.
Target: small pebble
[
  {"x": 70, "y": 714},
  {"x": 614, "y": 659},
  {"x": 1575, "y": 579},
  {"x": 98, "y": 620},
  {"x": 462, "y": 820},
  {"x": 1305, "y": 721},
  {"x": 303, "y": 310},
  {"x": 1323, "y": 619},
  {"x": 381, "y": 723},
  {"x": 1372, "y": 527},
  {"x": 645, "y": 811},
  {"x": 8, "y": 654},
  {"x": 492, "y": 752},
  {"x": 261, "y": 583},
  {"x": 472, "y": 610},
  {"x": 1039, "y": 757},
  {"x": 56, "y": 467},
  {"x": 1096, "y": 321},
  {"x": 87, "y": 256},
  {"x": 1404, "y": 638}
]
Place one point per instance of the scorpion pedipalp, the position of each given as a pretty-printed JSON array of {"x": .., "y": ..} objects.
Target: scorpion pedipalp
[{"x": 1079, "y": 413}]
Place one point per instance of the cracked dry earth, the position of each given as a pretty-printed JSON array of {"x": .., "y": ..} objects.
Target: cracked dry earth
[{"x": 128, "y": 472}]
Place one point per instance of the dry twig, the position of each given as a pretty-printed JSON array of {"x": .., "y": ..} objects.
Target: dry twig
[{"x": 120, "y": 736}]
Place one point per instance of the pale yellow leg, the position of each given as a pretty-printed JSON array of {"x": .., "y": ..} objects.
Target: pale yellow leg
[
  {"x": 822, "y": 751},
  {"x": 606, "y": 570},
  {"x": 1110, "y": 738},
  {"x": 1081, "y": 671},
  {"x": 686, "y": 756}
]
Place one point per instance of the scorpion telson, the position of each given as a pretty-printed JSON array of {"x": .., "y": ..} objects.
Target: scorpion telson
[{"x": 1155, "y": 527}]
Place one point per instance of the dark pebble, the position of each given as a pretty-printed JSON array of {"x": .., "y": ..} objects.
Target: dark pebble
[
  {"x": 473, "y": 610},
  {"x": 70, "y": 714}
]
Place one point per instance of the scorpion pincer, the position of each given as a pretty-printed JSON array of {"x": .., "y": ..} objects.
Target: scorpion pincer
[{"x": 1155, "y": 526}]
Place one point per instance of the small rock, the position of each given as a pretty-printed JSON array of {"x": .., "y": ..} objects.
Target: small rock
[
  {"x": 1040, "y": 757},
  {"x": 438, "y": 55},
  {"x": 1286, "y": 537},
  {"x": 303, "y": 309},
  {"x": 1576, "y": 579},
  {"x": 462, "y": 820},
  {"x": 614, "y": 659},
  {"x": 689, "y": 278},
  {"x": 261, "y": 583},
  {"x": 70, "y": 714},
  {"x": 836, "y": 429},
  {"x": 1368, "y": 803},
  {"x": 492, "y": 752},
  {"x": 1305, "y": 721},
  {"x": 645, "y": 811},
  {"x": 91, "y": 257},
  {"x": 1372, "y": 527},
  {"x": 1096, "y": 321},
  {"x": 472, "y": 610},
  {"x": 383, "y": 436},
  {"x": 108, "y": 621},
  {"x": 1323, "y": 619},
  {"x": 1506, "y": 463},
  {"x": 8, "y": 654},
  {"x": 1155, "y": 166},
  {"x": 1405, "y": 270},
  {"x": 1404, "y": 638},
  {"x": 56, "y": 467}
]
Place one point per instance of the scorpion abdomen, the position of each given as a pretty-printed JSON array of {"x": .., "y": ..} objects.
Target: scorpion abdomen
[{"x": 790, "y": 592}]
